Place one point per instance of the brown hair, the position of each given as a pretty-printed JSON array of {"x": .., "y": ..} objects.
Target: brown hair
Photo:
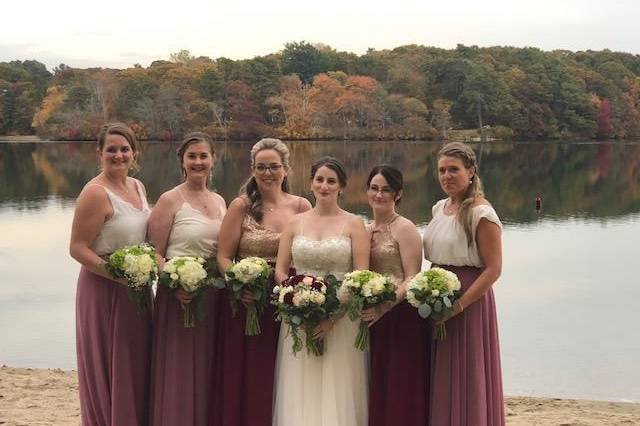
[
  {"x": 116, "y": 128},
  {"x": 331, "y": 163},
  {"x": 250, "y": 187},
  {"x": 393, "y": 177},
  {"x": 121, "y": 129},
  {"x": 191, "y": 139},
  {"x": 465, "y": 154}
]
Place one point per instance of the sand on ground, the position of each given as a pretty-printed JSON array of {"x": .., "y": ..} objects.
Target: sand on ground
[{"x": 38, "y": 397}]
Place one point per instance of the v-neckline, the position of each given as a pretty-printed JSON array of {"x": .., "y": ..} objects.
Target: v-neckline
[{"x": 139, "y": 210}]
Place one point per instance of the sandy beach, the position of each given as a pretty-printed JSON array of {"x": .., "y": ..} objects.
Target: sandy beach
[{"x": 37, "y": 397}]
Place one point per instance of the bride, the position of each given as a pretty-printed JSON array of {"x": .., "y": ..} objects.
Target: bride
[{"x": 328, "y": 390}]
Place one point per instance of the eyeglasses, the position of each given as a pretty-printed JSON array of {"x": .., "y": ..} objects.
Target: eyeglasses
[
  {"x": 262, "y": 168},
  {"x": 385, "y": 191}
]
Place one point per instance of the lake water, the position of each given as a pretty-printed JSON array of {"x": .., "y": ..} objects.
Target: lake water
[{"x": 567, "y": 300}]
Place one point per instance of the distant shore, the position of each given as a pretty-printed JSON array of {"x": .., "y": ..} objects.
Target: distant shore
[{"x": 50, "y": 397}]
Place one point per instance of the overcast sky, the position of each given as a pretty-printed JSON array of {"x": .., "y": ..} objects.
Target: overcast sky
[{"x": 120, "y": 33}]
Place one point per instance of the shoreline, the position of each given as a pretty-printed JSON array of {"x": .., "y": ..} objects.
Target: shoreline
[{"x": 32, "y": 396}]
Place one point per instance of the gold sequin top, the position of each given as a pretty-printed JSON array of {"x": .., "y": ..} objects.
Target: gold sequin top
[
  {"x": 385, "y": 253},
  {"x": 256, "y": 240}
]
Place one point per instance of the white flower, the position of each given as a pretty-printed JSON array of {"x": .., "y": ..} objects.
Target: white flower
[
  {"x": 435, "y": 292},
  {"x": 284, "y": 291},
  {"x": 276, "y": 289},
  {"x": 174, "y": 276}
]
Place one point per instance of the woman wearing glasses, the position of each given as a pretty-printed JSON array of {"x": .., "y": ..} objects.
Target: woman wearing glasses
[
  {"x": 252, "y": 227},
  {"x": 399, "y": 356}
]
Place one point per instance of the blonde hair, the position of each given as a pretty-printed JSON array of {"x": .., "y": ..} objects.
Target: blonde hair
[
  {"x": 467, "y": 156},
  {"x": 250, "y": 187}
]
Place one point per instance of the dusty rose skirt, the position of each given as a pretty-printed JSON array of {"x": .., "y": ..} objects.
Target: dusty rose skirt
[
  {"x": 184, "y": 359},
  {"x": 113, "y": 343},
  {"x": 466, "y": 377}
]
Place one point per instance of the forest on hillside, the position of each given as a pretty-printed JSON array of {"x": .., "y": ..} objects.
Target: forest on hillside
[{"x": 314, "y": 92}]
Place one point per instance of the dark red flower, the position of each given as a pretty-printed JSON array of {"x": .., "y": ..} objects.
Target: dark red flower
[
  {"x": 317, "y": 285},
  {"x": 295, "y": 280},
  {"x": 288, "y": 298}
]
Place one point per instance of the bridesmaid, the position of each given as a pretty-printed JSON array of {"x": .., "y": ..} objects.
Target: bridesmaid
[
  {"x": 252, "y": 227},
  {"x": 185, "y": 222},
  {"x": 464, "y": 236},
  {"x": 399, "y": 345},
  {"x": 113, "y": 340}
]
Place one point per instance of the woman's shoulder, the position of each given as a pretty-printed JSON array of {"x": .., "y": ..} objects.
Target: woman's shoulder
[
  {"x": 171, "y": 197},
  {"x": 402, "y": 228},
  {"x": 439, "y": 205},
  {"x": 403, "y": 224},
  {"x": 219, "y": 198},
  {"x": 353, "y": 219},
  {"x": 240, "y": 204},
  {"x": 481, "y": 201},
  {"x": 297, "y": 203},
  {"x": 482, "y": 209},
  {"x": 94, "y": 190}
]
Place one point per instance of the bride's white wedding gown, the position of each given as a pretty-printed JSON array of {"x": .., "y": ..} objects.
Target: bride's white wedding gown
[{"x": 327, "y": 390}]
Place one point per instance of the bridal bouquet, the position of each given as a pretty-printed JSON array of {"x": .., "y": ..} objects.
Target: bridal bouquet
[
  {"x": 136, "y": 264},
  {"x": 304, "y": 301},
  {"x": 365, "y": 289},
  {"x": 250, "y": 274},
  {"x": 193, "y": 275},
  {"x": 433, "y": 292}
]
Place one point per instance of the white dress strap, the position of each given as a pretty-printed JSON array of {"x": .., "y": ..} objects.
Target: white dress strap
[{"x": 141, "y": 195}]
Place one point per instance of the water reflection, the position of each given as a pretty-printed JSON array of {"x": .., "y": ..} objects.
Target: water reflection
[
  {"x": 597, "y": 181},
  {"x": 564, "y": 299}
]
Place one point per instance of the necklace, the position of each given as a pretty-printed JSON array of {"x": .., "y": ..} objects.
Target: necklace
[
  {"x": 387, "y": 223},
  {"x": 449, "y": 207},
  {"x": 197, "y": 195},
  {"x": 270, "y": 209}
]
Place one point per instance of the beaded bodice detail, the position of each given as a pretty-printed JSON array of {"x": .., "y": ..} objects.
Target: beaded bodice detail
[
  {"x": 385, "y": 253},
  {"x": 321, "y": 257},
  {"x": 256, "y": 240}
]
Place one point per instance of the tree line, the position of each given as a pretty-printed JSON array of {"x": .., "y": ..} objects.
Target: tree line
[{"x": 311, "y": 91}]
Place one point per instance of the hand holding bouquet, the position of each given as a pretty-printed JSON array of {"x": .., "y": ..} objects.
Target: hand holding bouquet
[
  {"x": 193, "y": 275},
  {"x": 136, "y": 264},
  {"x": 304, "y": 301},
  {"x": 252, "y": 275},
  {"x": 433, "y": 292},
  {"x": 365, "y": 290}
]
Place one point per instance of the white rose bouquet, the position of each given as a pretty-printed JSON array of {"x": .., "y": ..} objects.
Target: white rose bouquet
[
  {"x": 136, "y": 264},
  {"x": 364, "y": 290},
  {"x": 251, "y": 274},
  {"x": 194, "y": 275},
  {"x": 433, "y": 292},
  {"x": 304, "y": 301}
]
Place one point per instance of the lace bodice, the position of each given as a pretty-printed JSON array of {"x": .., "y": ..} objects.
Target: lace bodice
[
  {"x": 321, "y": 257},
  {"x": 256, "y": 240},
  {"x": 385, "y": 254}
]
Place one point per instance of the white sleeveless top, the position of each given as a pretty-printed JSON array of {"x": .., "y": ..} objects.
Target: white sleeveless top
[
  {"x": 193, "y": 233},
  {"x": 127, "y": 226},
  {"x": 445, "y": 242}
]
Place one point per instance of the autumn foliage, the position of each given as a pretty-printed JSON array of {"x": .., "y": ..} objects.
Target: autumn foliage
[{"x": 315, "y": 92}]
